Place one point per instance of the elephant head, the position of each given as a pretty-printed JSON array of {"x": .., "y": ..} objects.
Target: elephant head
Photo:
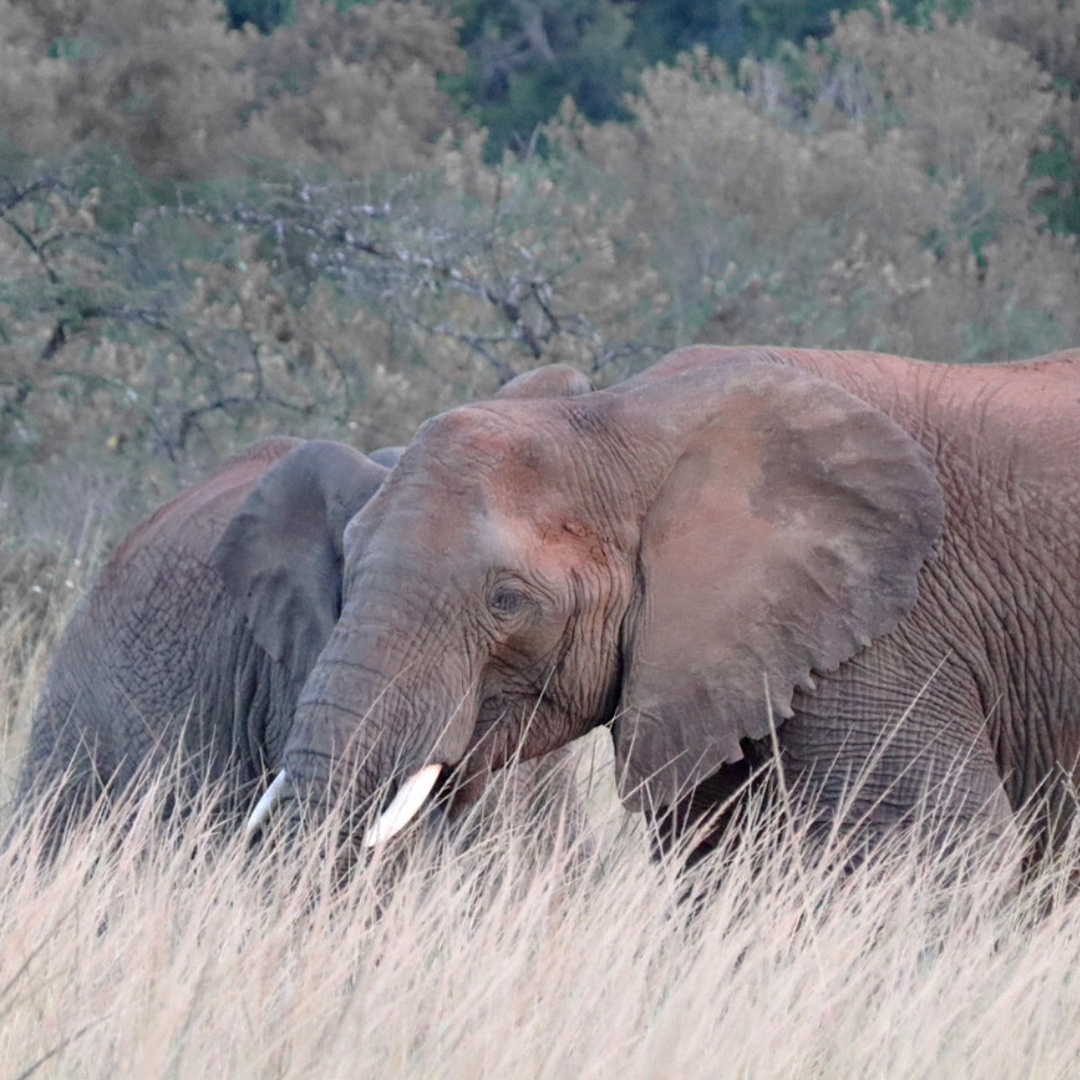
[
  {"x": 674, "y": 557},
  {"x": 281, "y": 555}
]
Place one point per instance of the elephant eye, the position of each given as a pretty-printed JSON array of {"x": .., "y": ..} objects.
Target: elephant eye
[{"x": 508, "y": 601}]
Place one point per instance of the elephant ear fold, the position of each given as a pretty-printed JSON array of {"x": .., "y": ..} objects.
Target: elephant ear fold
[
  {"x": 281, "y": 554},
  {"x": 550, "y": 381},
  {"x": 788, "y": 534}
]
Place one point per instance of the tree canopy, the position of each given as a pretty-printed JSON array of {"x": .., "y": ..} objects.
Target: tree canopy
[{"x": 218, "y": 221}]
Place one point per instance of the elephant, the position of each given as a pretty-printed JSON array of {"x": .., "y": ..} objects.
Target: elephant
[
  {"x": 862, "y": 568},
  {"x": 192, "y": 646}
]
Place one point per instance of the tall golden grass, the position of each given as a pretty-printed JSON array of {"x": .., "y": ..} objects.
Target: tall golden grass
[{"x": 151, "y": 952}]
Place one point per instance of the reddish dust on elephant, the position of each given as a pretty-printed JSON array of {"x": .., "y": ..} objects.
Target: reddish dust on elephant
[{"x": 874, "y": 555}]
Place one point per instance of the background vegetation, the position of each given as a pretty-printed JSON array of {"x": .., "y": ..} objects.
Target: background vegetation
[{"x": 218, "y": 221}]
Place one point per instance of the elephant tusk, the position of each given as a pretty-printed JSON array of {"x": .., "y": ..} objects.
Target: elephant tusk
[
  {"x": 265, "y": 806},
  {"x": 404, "y": 806}
]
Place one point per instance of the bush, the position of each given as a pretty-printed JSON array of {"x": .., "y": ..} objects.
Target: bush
[
  {"x": 871, "y": 191},
  {"x": 898, "y": 216},
  {"x": 184, "y": 96}
]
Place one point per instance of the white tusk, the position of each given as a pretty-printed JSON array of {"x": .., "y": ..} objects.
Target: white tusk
[
  {"x": 264, "y": 807},
  {"x": 404, "y": 806}
]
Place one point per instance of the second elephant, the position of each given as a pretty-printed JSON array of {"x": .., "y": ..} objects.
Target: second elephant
[{"x": 159, "y": 665}]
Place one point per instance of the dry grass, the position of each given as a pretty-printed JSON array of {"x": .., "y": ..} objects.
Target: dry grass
[{"x": 145, "y": 955}]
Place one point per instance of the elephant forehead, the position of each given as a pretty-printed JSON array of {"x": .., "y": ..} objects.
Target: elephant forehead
[
  {"x": 507, "y": 450},
  {"x": 494, "y": 479},
  {"x": 554, "y": 538},
  {"x": 497, "y": 478},
  {"x": 427, "y": 519},
  {"x": 486, "y": 433}
]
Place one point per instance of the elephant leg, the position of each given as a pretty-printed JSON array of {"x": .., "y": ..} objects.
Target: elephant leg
[
  {"x": 845, "y": 773},
  {"x": 918, "y": 770},
  {"x": 883, "y": 747},
  {"x": 715, "y": 811}
]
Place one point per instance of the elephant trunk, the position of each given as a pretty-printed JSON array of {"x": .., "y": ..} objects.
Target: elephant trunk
[{"x": 369, "y": 728}]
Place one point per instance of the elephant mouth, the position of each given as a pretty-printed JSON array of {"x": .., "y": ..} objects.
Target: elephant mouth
[
  {"x": 410, "y": 798},
  {"x": 269, "y": 806},
  {"x": 450, "y": 785},
  {"x": 412, "y": 795}
]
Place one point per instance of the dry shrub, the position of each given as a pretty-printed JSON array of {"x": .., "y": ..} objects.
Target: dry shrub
[
  {"x": 1048, "y": 29},
  {"x": 898, "y": 215},
  {"x": 355, "y": 90},
  {"x": 894, "y": 212},
  {"x": 34, "y": 87},
  {"x": 185, "y": 96},
  {"x": 334, "y": 308}
]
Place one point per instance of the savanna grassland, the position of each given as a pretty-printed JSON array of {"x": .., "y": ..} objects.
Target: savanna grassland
[
  {"x": 147, "y": 953},
  {"x": 221, "y": 221}
]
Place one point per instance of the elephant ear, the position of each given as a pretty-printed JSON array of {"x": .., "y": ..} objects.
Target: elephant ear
[
  {"x": 550, "y": 381},
  {"x": 788, "y": 534},
  {"x": 281, "y": 554},
  {"x": 387, "y": 456}
]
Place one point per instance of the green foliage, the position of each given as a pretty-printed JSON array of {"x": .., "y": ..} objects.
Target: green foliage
[
  {"x": 770, "y": 22},
  {"x": 921, "y": 13},
  {"x": 665, "y": 28},
  {"x": 527, "y": 57},
  {"x": 265, "y": 15},
  {"x": 524, "y": 58},
  {"x": 1061, "y": 202}
]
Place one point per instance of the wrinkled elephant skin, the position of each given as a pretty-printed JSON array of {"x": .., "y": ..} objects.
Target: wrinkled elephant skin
[
  {"x": 876, "y": 557},
  {"x": 159, "y": 665}
]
